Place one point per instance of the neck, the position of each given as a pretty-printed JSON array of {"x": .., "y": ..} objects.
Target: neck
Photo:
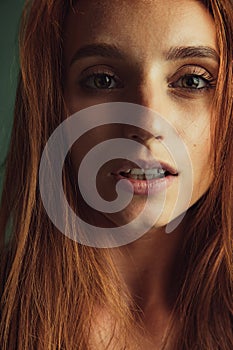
[{"x": 150, "y": 268}]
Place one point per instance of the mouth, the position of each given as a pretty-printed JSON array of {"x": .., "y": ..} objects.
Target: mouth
[
  {"x": 152, "y": 177},
  {"x": 147, "y": 171},
  {"x": 143, "y": 174}
]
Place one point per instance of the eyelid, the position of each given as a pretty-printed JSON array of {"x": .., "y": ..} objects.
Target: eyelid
[
  {"x": 102, "y": 70},
  {"x": 191, "y": 70},
  {"x": 209, "y": 79},
  {"x": 97, "y": 69}
]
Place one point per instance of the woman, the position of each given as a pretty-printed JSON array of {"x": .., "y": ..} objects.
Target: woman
[{"x": 159, "y": 291}]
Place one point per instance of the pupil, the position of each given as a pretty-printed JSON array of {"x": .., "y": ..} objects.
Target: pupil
[
  {"x": 190, "y": 81},
  {"x": 102, "y": 81}
]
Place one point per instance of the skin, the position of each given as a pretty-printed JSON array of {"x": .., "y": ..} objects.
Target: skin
[{"x": 150, "y": 265}]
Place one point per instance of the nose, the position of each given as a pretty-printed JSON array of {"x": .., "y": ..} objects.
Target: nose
[
  {"x": 140, "y": 134},
  {"x": 150, "y": 120}
]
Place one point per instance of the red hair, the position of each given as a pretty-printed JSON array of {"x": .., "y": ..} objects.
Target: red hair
[{"x": 52, "y": 285}]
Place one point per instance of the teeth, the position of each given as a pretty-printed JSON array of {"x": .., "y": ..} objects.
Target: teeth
[
  {"x": 148, "y": 174},
  {"x": 155, "y": 171},
  {"x": 137, "y": 171},
  {"x": 141, "y": 172},
  {"x": 149, "y": 177}
]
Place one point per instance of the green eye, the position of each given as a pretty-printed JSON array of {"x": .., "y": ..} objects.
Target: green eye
[
  {"x": 101, "y": 81},
  {"x": 192, "y": 82}
]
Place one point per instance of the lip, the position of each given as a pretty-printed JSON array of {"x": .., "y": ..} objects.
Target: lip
[
  {"x": 145, "y": 187},
  {"x": 125, "y": 165}
]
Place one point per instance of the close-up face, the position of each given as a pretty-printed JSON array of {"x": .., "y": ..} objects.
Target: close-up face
[{"x": 160, "y": 55}]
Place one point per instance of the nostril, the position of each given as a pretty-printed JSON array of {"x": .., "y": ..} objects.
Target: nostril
[
  {"x": 160, "y": 138},
  {"x": 136, "y": 137}
]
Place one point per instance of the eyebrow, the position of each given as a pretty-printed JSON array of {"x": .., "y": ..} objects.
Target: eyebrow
[
  {"x": 103, "y": 50},
  {"x": 173, "y": 54},
  {"x": 182, "y": 52}
]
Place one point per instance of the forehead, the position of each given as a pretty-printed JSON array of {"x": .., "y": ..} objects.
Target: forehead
[{"x": 147, "y": 27}]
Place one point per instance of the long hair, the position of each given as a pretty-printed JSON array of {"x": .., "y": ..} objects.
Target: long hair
[{"x": 51, "y": 286}]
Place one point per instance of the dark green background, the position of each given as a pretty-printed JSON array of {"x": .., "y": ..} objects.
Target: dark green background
[{"x": 10, "y": 11}]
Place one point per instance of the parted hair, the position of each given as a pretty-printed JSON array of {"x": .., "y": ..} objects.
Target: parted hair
[{"x": 52, "y": 286}]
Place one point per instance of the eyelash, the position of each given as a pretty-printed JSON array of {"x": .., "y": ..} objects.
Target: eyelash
[
  {"x": 97, "y": 73},
  {"x": 195, "y": 72}
]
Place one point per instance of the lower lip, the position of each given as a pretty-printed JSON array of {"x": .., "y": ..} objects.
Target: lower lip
[{"x": 145, "y": 187}]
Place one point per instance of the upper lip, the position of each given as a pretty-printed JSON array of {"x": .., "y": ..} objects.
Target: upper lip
[{"x": 145, "y": 164}]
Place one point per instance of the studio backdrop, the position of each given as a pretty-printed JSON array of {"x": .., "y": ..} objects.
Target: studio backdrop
[{"x": 10, "y": 11}]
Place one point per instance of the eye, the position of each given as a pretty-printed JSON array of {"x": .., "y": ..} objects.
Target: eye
[
  {"x": 192, "y": 82},
  {"x": 101, "y": 81}
]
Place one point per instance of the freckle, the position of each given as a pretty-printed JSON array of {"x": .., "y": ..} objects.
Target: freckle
[{"x": 194, "y": 145}]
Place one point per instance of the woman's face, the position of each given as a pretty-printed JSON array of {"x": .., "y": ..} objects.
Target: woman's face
[{"x": 161, "y": 56}]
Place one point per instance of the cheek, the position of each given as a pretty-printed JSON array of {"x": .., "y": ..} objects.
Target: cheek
[
  {"x": 199, "y": 150},
  {"x": 196, "y": 135},
  {"x": 200, "y": 156},
  {"x": 200, "y": 141}
]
